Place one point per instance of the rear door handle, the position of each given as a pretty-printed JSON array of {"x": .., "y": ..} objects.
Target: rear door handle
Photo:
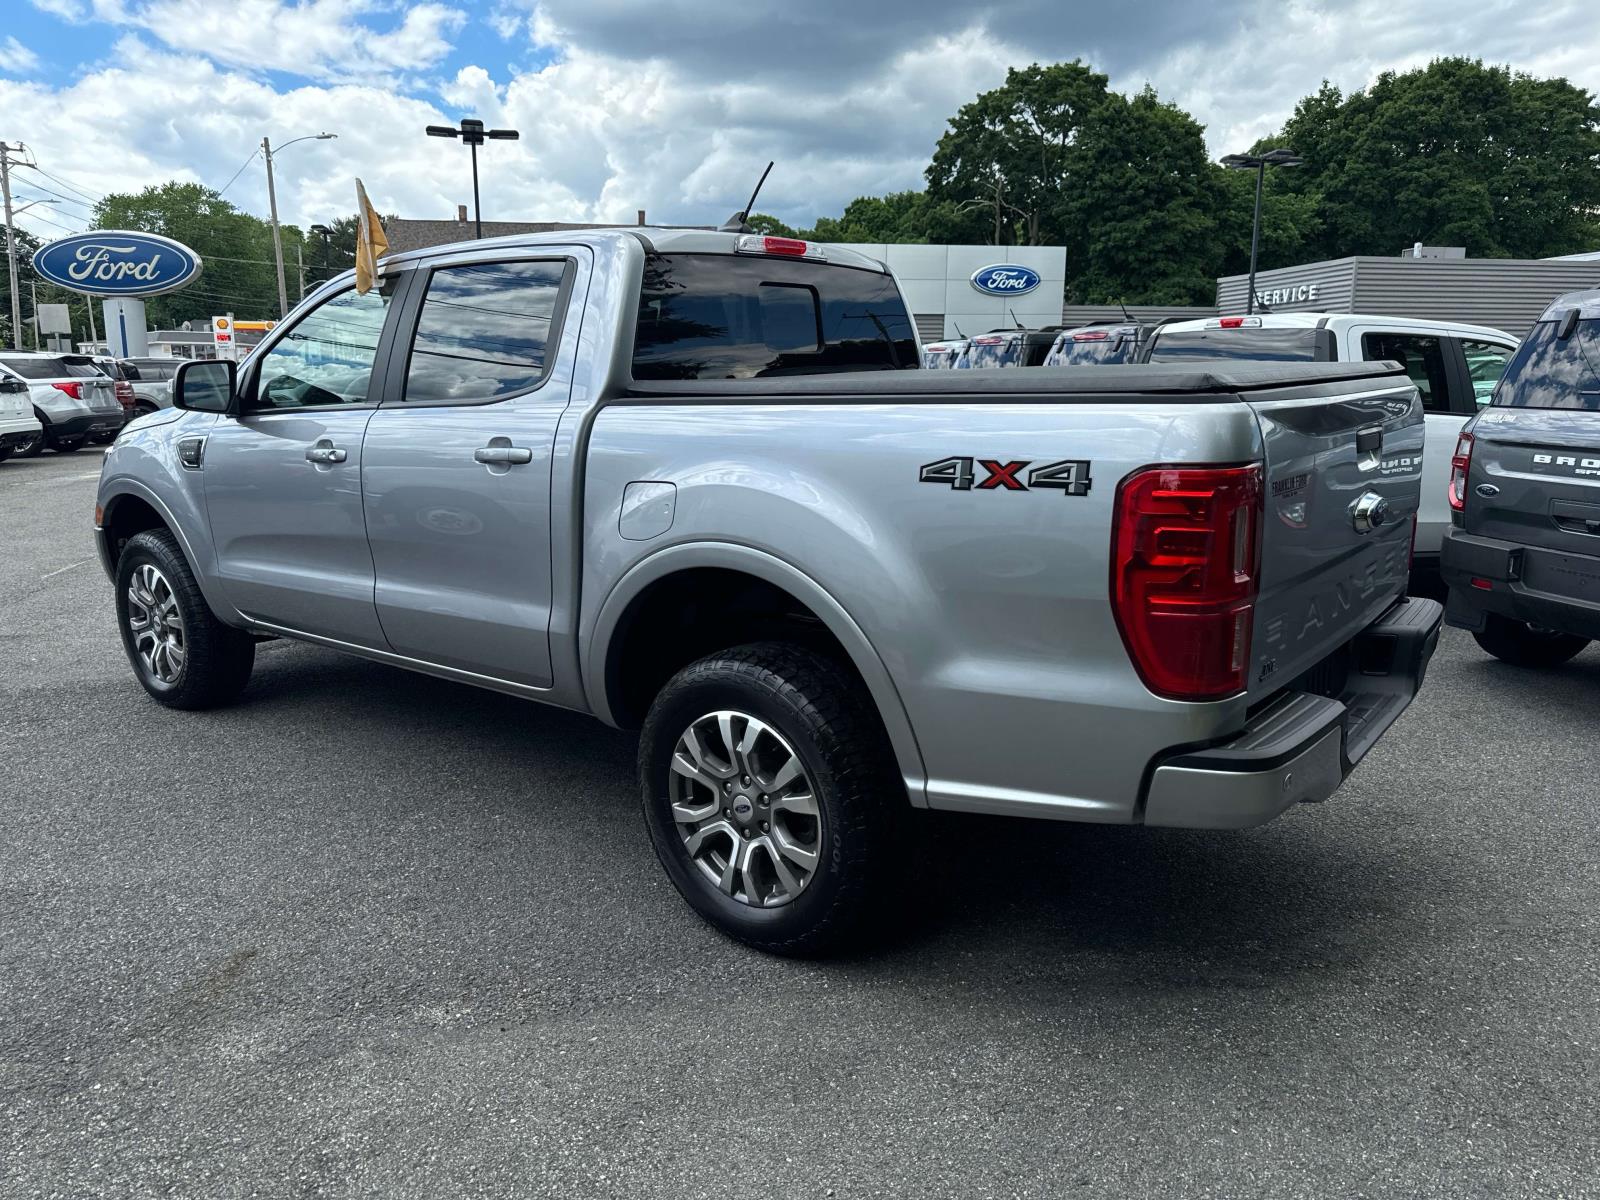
[
  {"x": 323, "y": 452},
  {"x": 502, "y": 456}
]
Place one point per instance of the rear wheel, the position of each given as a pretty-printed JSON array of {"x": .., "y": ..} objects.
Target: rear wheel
[
  {"x": 771, "y": 796},
  {"x": 30, "y": 446},
  {"x": 1524, "y": 645},
  {"x": 182, "y": 655},
  {"x": 66, "y": 445},
  {"x": 5, "y": 453}
]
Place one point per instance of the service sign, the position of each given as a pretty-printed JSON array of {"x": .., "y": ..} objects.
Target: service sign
[
  {"x": 1005, "y": 279},
  {"x": 116, "y": 262}
]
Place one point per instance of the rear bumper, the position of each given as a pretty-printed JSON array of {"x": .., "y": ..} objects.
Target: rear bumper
[
  {"x": 1519, "y": 578},
  {"x": 1299, "y": 747},
  {"x": 84, "y": 425}
]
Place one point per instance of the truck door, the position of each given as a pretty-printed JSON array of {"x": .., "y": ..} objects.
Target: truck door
[
  {"x": 283, "y": 478},
  {"x": 457, "y": 465}
]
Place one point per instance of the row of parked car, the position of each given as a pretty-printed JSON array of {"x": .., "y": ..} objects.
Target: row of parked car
[
  {"x": 63, "y": 401},
  {"x": 1454, "y": 365}
]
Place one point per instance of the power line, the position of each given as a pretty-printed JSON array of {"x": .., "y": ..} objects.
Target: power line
[
  {"x": 86, "y": 193},
  {"x": 239, "y": 172},
  {"x": 59, "y": 196}
]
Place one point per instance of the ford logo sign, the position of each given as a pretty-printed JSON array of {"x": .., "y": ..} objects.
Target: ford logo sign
[
  {"x": 115, "y": 262},
  {"x": 1005, "y": 279}
]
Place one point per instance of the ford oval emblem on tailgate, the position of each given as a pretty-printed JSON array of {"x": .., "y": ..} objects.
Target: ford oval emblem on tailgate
[{"x": 1368, "y": 511}]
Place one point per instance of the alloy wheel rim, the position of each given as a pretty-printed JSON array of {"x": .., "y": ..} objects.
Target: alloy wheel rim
[
  {"x": 156, "y": 624},
  {"x": 745, "y": 809}
]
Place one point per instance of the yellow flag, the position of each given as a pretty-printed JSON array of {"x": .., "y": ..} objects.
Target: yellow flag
[{"x": 371, "y": 244}]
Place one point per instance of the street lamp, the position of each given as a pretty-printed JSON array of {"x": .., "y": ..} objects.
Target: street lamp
[
  {"x": 1259, "y": 164},
  {"x": 473, "y": 133},
  {"x": 272, "y": 203},
  {"x": 326, "y": 234}
]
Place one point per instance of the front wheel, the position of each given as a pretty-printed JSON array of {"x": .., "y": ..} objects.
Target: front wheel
[
  {"x": 66, "y": 446},
  {"x": 1523, "y": 645},
  {"x": 181, "y": 654},
  {"x": 771, "y": 796}
]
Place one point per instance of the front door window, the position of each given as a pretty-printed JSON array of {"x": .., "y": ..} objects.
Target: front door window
[{"x": 326, "y": 358}]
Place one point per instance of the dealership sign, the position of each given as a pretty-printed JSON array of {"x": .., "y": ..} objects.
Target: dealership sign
[
  {"x": 1005, "y": 279},
  {"x": 1305, "y": 293},
  {"x": 115, "y": 262}
]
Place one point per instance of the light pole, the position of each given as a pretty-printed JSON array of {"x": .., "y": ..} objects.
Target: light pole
[
  {"x": 1259, "y": 164},
  {"x": 473, "y": 133},
  {"x": 272, "y": 203}
]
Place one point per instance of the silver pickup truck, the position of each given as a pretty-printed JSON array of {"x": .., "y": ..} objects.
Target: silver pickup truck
[{"x": 695, "y": 484}]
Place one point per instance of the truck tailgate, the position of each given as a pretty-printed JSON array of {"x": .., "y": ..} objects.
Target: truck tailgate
[{"x": 1342, "y": 487}]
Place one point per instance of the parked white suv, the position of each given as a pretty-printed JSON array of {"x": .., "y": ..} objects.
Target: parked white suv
[
  {"x": 1454, "y": 366},
  {"x": 19, "y": 428}
]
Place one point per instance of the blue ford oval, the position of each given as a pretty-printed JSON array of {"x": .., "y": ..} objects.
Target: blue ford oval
[
  {"x": 117, "y": 262},
  {"x": 1005, "y": 279}
]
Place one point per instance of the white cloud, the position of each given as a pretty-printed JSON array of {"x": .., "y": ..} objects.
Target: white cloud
[
  {"x": 17, "y": 58},
  {"x": 631, "y": 111}
]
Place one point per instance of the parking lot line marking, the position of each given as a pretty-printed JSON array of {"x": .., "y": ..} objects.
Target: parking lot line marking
[
  {"x": 63, "y": 570},
  {"x": 60, "y": 481}
]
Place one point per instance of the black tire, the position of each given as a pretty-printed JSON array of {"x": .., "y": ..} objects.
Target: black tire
[
  {"x": 31, "y": 448},
  {"x": 66, "y": 445},
  {"x": 143, "y": 409},
  {"x": 216, "y": 658},
  {"x": 5, "y": 453},
  {"x": 830, "y": 724},
  {"x": 1522, "y": 646}
]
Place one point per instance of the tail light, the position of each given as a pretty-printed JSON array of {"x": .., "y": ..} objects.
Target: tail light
[
  {"x": 1097, "y": 335},
  {"x": 1460, "y": 465},
  {"x": 1184, "y": 576},
  {"x": 75, "y": 390},
  {"x": 124, "y": 391}
]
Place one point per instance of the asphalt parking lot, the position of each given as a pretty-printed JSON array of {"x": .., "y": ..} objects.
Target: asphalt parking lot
[{"x": 373, "y": 933}]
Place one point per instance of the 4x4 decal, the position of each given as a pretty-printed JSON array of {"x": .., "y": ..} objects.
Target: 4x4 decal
[{"x": 1070, "y": 475}]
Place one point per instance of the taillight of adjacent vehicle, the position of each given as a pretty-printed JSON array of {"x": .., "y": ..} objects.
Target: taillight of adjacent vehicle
[
  {"x": 1185, "y": 567},
  {"x": 75, "y": 390},
  {"x": 1460, "y": 465},
  {"x": 124, "y": 391}
]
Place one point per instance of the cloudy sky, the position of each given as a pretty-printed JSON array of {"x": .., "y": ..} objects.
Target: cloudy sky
[{"x": 670, "y": 106}]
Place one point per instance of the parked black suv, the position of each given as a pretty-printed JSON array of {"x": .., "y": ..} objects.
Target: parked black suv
[{"x": 1522, "y": 556}]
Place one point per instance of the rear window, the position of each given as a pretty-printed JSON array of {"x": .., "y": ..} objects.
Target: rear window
[
  {"x": 1002, "y": 352},
  {"x": 1253, "y": 345},
  {"x": 721, "y": 316},
  {"x": 1552, "y": 372},
  {"x": 53, "y": 368},
  {"x": 1092, "y": 348}
]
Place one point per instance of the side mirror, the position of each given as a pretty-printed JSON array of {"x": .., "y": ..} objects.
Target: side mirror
[{"x": 206, "y": 385}]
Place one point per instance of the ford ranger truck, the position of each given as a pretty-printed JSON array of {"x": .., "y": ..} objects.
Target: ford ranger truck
[
  {"x": 696, "y": 485},
  {"x": 1522, "y": 558}
]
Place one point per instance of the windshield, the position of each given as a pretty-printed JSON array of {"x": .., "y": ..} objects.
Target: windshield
[
  {"x": 723, "y": 316},
  {"x": 1256, "y": 345},
  {"x": 1003, "y": 352},
  {"x": 1552, "y": 372},
  {"x": 52, "y": 368}
]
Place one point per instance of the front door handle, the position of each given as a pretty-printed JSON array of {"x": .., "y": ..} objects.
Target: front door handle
[
  {"x": 325, "y": 452},
  {"x": 502, "y": 456}
]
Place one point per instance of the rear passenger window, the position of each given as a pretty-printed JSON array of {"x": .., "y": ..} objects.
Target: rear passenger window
[
  {"x": 1486, "y": 362},
  {"x": 1423, "y": 360},
  {"x": 484, "y": 331}
]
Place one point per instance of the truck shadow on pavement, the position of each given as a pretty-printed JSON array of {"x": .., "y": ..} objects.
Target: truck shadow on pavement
[{"x": 1128, "y": 907}]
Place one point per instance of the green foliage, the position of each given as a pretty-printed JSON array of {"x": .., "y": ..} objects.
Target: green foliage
[
  {"x": 763, "y": 223},
  {"x": 1456, "y": 153}
]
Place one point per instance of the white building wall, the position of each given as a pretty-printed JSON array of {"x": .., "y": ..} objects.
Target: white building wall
[{"x": 937, "y": 281}]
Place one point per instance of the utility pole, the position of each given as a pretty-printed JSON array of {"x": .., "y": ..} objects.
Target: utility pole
[
  {"x": 33, "y": 303},
  {"x": 94, "y": 334},
  {"x": 11, "y": 242},
  {"x": 300, "y": 265},
  {"x": 272, "y": 203},
  {"x": 277, "y": 234}
]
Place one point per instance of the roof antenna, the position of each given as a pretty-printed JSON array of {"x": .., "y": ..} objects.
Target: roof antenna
[
  {"x": 739, "y": 222},
  {"x": 957, "y": 324},
  {"x": 1128, "y": 316},
  {"x": 1014, "y": 321}
]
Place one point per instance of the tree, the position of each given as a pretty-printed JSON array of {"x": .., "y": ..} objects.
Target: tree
[
  {"x": 762, "y": 223},
  {"x": 1454, "y": 153},
  {"x": 236, "y": 248},
  {"x": 1009, "y": 155}
]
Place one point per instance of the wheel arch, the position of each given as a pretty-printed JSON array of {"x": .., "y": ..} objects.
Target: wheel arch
[
  {"x": 131, "y": 508},
  {"x": 687, "y": 567}
]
